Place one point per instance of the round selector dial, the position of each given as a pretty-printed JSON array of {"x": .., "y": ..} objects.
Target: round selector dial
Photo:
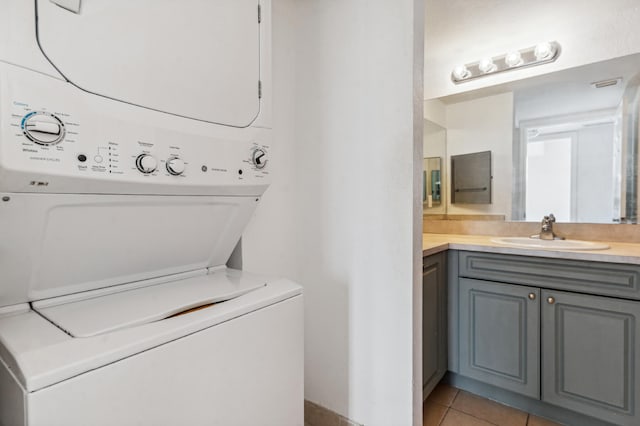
[
  {"x": 175, "y": 166},
  {"x": 259, "y": 158},
  {"x": 43, "y": 128},
  {"x": 146, "y": 163}
]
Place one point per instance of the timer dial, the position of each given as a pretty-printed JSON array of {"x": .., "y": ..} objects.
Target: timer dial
[
  {"x": 259, "y": 158},
  {"x": 43, "y": 128},
  {"x": 146, "y": 163},
  {"x": 175, "y": 166}
]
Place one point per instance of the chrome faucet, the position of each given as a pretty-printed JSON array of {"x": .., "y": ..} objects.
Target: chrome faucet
[{"x": 546, "y": 229}]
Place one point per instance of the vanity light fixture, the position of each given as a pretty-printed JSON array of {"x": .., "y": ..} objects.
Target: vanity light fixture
[
  {"x": 461, "y": 72},
  {"x": 486, "y": 65},
  {"x": 542, "y": 53},
  {"x": 513, "y": 59},
  {"x": 543, "y": 50}
]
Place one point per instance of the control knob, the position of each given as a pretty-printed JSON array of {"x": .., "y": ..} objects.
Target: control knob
[
  {"x": 175, "y": 166},
  {"x": 146, "y": 163},
  {"x": 43, "y": 128},
  {"x": 259, "y": 158}
]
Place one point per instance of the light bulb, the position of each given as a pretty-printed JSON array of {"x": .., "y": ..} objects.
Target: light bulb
[
  {"x": 543, "y": 51},
  {"x": 486, "y": 65},
  {"x": 461, "y": 72},
  {"x": 513, "y": 59}
]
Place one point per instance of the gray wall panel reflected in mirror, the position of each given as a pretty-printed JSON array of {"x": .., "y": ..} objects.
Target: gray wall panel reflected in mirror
[
  {"x": 471, "y": 178},
  {"x": 572, "y": 148}
]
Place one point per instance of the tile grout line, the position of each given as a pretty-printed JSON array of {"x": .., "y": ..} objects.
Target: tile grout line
[
  {"x": 455, "y": 397},
  {"x": 475, "y": 417},
  {"x": 526, "y": 423},
  {"x": 444, "y": 417},
  {"x": 448, "y": 406}
]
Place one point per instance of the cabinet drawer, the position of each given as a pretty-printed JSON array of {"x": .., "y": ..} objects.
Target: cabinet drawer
[{"x": 609, "y": 279}]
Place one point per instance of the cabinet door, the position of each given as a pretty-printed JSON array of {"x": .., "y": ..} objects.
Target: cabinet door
[
  {"x": 500, "y": 335},
  {"x": 590, "y": 359},
  {"x": 434, "y": 325}
]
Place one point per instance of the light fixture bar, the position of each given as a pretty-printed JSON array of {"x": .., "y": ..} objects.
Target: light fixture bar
[{"x": 542, "y": 53}]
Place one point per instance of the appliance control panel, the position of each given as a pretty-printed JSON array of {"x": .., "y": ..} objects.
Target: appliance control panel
[{"x": 54, "y": 132}]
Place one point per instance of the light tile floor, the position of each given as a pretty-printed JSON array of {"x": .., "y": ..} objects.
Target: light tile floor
[{"x": 448, "y": 406}]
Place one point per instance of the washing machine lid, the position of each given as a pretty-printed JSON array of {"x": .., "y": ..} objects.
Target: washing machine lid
[
  {"x": 40, "y": 354},
  {"x": 91, "y": 315},
  {"x": 194, "y": 58}
]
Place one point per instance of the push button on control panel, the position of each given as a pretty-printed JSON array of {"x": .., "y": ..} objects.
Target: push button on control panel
[
  {"x": 43, "y": 128},
  {"x": 146, "y": 163}
]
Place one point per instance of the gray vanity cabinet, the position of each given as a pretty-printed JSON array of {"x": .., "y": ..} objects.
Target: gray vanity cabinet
[
  {"x": 564, "y": 332},
  {"x": 434, "y": 321},
  {"x": 499, "y": 335},
  {"x": 591, "y": 354}
]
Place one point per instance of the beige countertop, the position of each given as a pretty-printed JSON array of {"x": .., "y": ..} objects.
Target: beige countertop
[{"x": 617, "y": 253}]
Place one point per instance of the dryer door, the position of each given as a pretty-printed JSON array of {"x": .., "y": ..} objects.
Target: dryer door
[{"x": 194, "y": 58}]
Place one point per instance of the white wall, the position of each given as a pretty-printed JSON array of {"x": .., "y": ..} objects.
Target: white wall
[
  {"x": 340, "y": 215},
  {"x": 484, "y": 124},
  {"x": 463, "y": 31},
  {"x": 435, "y": 111}
]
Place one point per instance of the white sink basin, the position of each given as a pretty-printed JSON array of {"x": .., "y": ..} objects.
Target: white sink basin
[{"x": 535, "y": 243}]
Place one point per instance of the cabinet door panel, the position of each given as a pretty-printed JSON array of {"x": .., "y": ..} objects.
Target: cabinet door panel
[
  {"x": 499, "y": 335},
  {"x": 434, "y": 326},
  {"x": 591, "y": 355}
]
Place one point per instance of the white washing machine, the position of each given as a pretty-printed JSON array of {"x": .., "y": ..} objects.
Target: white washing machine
[{"x": 134, "y": 148}]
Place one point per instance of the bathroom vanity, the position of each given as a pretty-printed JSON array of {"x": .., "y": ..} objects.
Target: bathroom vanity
[{"x": 553, "y": 333}]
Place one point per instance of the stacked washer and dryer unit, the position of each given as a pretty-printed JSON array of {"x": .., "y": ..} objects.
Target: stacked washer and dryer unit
[{"x": 134, "y": 144}]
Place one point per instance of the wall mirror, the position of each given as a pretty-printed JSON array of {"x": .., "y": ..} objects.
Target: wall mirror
[
  {"x": 565, "y": 142},
  {"x": 434, "y": 169},
  {"x": 431, "y": 182}
]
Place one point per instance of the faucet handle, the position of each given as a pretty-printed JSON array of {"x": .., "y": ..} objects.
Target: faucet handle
[{"x": 551, "y": 218}]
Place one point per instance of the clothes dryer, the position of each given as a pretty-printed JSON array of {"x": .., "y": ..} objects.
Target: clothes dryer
[{"x": 134, "y": 148}]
